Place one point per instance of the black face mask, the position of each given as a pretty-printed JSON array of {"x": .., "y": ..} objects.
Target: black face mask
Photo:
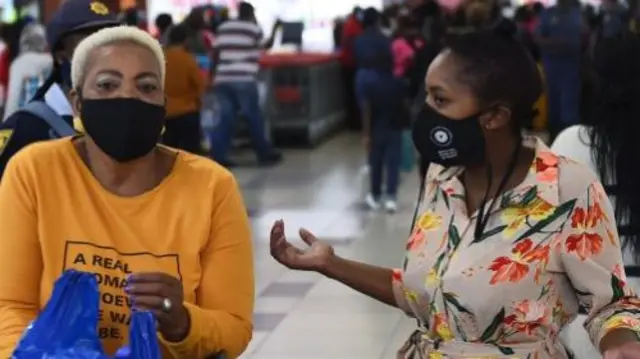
[
  {"x": 124, "y": 128},
  {"x": 448, "y": 142}
]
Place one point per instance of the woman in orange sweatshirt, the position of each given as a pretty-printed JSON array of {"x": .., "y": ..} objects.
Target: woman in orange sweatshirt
[
  {"x": 163, "y": 230},
  {"x": 184, "y": 89}
]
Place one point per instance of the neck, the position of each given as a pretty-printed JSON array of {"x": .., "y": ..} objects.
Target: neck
[
  {"x": 500, "y": 154},
  {"x": 124, "y": 179}
]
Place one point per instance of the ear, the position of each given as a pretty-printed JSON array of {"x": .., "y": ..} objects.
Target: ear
[
  {"x": 76, "y": 101},
  {"x": 498, "y": 117}
]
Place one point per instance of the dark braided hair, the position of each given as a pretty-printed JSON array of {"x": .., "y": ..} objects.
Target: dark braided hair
[
  {"x": 499, "y": 70},
  {"x": 613, "y": 122}
]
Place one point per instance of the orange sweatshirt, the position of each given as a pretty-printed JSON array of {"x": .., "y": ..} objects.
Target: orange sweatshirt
[
  {"x": 184, "y": 86},
  {"x": 55, "y": 215}
]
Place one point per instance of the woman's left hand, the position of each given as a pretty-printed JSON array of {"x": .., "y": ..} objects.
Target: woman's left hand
[
  {"x": 162, "y": 295},
  {"x": 629, "y": 350}
]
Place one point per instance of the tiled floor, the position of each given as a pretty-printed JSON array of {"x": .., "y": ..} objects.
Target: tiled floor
[{"x": 302, "y": 315}]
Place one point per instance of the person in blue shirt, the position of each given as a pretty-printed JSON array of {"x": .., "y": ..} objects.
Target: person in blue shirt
[
  {"x": 559, "y": 35},
  {"x": 381, "y": 97},
  {"x": 372, "y": 52}
]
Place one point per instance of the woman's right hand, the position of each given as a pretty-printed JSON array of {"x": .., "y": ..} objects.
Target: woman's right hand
[{"x": 314, "y": 258}]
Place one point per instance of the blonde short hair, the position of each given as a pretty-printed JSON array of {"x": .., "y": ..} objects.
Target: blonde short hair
[{"x": 108, "y": 36}]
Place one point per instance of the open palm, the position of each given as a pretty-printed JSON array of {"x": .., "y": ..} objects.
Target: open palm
[{"x": 313, "y": 257}]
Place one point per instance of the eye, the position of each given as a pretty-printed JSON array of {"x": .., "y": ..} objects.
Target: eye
[
  {"x": 148, "y": 87},
  {"x": 437, "y": 99},
  {"x": 107, "y": 85}
]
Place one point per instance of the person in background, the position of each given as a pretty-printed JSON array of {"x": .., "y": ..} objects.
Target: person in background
[
  {"x": 407, "y": 42},
  {"x": 605, "y": 142},
  {"x": 238, "y": 49},
  {"x": 559, "y": 36},
  {"x": 374, "y": 59},
  {"x": 173, "y": 221},
  {"x": 163, "y": 22},
  {"x": 351, "y": 29},
  {"x": 73, "y": 21},
  {"x": 385, "y": 115},
  {"x": 614, "y": 19},
  {"x": 338, "y": 24},
  {"x": 5, "y": 63},
  {"x": 184, "y": 88},
  {"x": 29, "y": 70}
]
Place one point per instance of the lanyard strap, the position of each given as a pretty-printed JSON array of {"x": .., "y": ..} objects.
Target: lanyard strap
[{"x": 483, "y": 216}]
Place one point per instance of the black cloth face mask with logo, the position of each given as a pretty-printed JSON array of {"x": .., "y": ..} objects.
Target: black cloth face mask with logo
[
  {"x": 446, "y": 141},
  {"x": 450, "y": 142},
  {"x": 124, "y": 128}
]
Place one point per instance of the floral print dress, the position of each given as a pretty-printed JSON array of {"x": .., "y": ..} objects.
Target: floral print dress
[{"x": 549, "y": 248}]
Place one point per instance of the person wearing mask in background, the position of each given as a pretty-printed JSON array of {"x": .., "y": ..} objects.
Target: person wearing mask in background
[
  {"x": 184, "y": 88},
  {"x": 163, "y": 23},
  {"x": 73, "y": 21},
  {"x": 169, "y": 224},
  {"x": 606, "y": 142},
  {"x": 237, "y": 53},
  {"x": 29, "y": 70},
  {"x": 559, "y": 36},
  {"x": 351, "y": 29}
]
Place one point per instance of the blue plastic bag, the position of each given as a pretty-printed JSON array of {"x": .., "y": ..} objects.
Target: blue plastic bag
[
  {"x": 408, "y": 152},
  {"x": 67, "y": 326},
  {"x": 143, "y": 343}
]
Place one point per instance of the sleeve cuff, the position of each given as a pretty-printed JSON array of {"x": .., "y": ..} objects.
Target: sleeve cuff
[
  {"x": 399, "y": 291},
  {"x": 619, "y": 321},
  {"x": 184, "y": 348}
]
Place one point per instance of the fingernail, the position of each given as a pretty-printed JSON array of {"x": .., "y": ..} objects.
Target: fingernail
[{"x": 128, "y": 289}]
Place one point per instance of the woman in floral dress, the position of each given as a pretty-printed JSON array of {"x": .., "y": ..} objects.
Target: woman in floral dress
[{"x": 511, "y": 239}]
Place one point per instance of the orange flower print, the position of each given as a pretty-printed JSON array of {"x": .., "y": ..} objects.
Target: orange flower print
[
  {"x": 584, "y": 242},
  {"x": 429, "y": 221},
  {"x": 441, "y": 326},
  {"x": 546, "y": 166},
  {"x": 617, "y": 271},
  {"x": 513, "y": 269},
  {"x": 416, "y": 240},
  {"x": 528, "y": 315}
]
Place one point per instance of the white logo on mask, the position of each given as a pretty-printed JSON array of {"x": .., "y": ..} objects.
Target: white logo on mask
[{"x": 441, "y": 136}]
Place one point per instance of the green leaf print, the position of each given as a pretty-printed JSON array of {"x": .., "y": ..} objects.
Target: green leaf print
[
  {"x": 616, "y": 286},
  {"x": 493, "y": 327},
  {"x": 445, "y": 197},
  {"x": 490, "y": 233},
  {"x": 564, "y": 208},
  {"x": 454, "y": 235},
  {"x": 451, "y": 299},
  {"x": 531, "y": 194},
  {"x": 505, "y": 351}
]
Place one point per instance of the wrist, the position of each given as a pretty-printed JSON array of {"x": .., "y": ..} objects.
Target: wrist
[{"x": 328, "y": 267}]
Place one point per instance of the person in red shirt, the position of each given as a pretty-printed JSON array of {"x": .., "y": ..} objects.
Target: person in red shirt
[{"x": 351, "y": 29}]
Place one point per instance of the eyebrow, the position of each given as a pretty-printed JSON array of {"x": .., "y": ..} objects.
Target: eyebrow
[{"x": 138, "y": 76}]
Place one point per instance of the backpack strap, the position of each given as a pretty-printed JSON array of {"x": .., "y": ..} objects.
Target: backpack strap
[{"x": 59, "y": 127}]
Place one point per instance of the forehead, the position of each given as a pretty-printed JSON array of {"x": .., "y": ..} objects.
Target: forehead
[
  {"x": 443, "y": 71},
  {"x": 125, "y": 57}
]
